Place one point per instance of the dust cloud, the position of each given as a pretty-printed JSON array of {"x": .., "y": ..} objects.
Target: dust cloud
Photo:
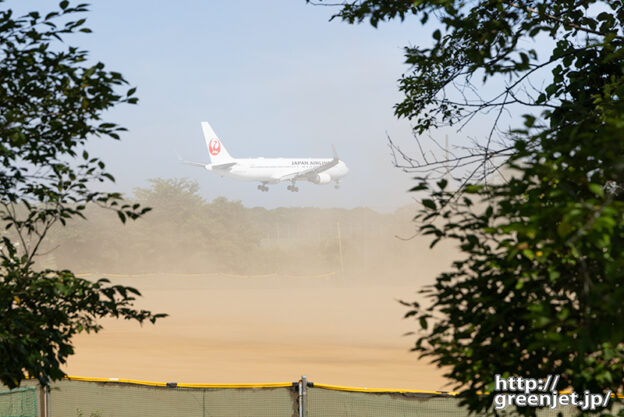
[{"x": 256, "y": 295}]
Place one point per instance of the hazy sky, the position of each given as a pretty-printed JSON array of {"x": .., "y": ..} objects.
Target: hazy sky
[{"x": 274, "y": 79}]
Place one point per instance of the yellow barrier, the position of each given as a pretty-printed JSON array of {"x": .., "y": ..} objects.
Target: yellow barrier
[
  {"x": 364, "y": 389},
  {"x": 122, "y": 381},
  {"x": 268, "y": 385},
  {"x": 277, "y": 385},
  {"x": 211, "y": 274},
  {"x": 182, "y": 385},
  {"x": 265, "y": 385}
]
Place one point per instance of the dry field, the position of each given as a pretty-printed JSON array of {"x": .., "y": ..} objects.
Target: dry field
[{"x": 253, "y": 330}]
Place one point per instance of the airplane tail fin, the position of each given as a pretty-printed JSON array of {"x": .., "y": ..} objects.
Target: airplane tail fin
[{"x": 218, "y": 154}]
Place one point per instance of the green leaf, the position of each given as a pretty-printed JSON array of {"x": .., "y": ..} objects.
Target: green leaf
[
  {"x": 419, "y": 187},
  {"x": 564, "y": 228},
  {"x": 596, "y": 189},
  {"x": 430, "y": 204},
  {"x": 529, "y": 120}
]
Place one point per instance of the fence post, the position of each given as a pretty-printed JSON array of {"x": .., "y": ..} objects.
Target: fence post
[
  {"x": 45, "y": 409},
  {"x": 303, "y": 393}
]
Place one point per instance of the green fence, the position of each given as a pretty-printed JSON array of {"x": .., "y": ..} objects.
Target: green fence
[
  {"x": 108, "y": 399},
  {"x": 84, "y": 397},
  {"x": 328, "y": 401},
  {"x": 21, "y": 402},
  {"x": 323, "y": 402}
]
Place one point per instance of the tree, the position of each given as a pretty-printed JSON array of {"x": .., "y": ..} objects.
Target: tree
[
  {"x": 539, "y": 289},
  {"x": 51, "y": 103}
]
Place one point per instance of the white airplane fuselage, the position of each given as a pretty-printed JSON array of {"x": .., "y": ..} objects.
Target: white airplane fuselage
[{"x": 271, "y": 170}]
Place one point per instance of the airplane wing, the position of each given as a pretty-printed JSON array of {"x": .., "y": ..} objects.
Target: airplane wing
[
  {"x": 224, "y": 166},
  {"x": 195, "y": 164},
  {"x": 209, "y": 166},
  {"x": 213, "y": 166},
  {"x": 302, "y": 175}
]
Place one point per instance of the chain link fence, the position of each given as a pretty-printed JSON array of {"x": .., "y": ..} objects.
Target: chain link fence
[
  {"x": 93, "y": 397},
  {"x": 21, "y": 402}
]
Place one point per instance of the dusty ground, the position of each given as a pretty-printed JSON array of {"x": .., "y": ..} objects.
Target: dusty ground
[{"x": 253, "y": 330}]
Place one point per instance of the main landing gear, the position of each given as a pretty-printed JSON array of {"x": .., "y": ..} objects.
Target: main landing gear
[
  {"x": 263, "y": 188},
  {"x": 292, "y": 188}
]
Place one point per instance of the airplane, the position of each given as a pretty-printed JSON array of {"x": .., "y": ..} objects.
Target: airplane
[{"x": 269, "y": 170}]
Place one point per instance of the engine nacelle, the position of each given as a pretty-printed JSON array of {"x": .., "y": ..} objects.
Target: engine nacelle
[{"x": 321, "y": 178}]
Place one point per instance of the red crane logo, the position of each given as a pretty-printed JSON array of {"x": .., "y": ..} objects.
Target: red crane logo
[{"x": 214, "y": 147}]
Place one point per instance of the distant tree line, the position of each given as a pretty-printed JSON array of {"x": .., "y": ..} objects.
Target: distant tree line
[{"x": 184, "y": 233}]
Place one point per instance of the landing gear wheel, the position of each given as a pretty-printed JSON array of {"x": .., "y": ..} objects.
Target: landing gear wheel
[
  {"x": 263, "y": 188},
  {"x": 292, "y": 188}
]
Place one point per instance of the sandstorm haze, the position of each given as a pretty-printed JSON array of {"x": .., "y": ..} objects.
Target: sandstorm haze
[
  {"x": 255, "y": 294},
  {"x": 186, "y": 234},
  {"x": 254, "y": 283}
]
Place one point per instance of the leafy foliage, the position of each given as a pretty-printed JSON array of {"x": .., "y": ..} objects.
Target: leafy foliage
[
  {"x": 539, "y": 290},
  {"x": 51, "y": 103},
  {"x": 43, "y": 310}
]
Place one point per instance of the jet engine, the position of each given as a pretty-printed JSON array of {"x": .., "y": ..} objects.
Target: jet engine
[{"x": 321, "y": 178}]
